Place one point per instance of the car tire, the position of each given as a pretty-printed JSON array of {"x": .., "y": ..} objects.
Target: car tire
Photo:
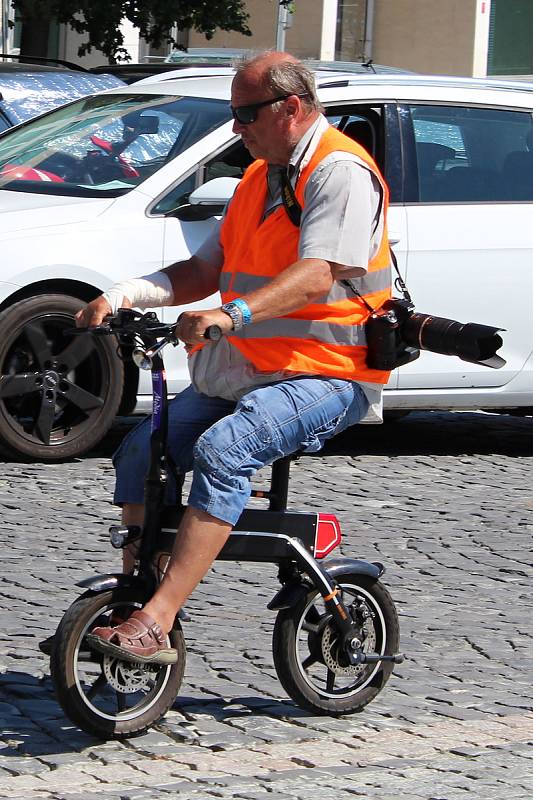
[{"x": 59, "y": 393}]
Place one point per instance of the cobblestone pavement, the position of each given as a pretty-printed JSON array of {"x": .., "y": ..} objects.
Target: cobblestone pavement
[{"x": 444, "y": 500}]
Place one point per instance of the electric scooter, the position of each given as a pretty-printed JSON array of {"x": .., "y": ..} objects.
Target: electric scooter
[{"x": 336, "y": 633}]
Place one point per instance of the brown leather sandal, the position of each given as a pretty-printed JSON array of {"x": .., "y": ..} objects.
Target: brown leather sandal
[
  {"x": 139, "y": 640},
  {"x": 117, "y": 616}
]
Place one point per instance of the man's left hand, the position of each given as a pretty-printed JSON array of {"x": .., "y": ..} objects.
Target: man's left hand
[{"x": 192, "y": 325}]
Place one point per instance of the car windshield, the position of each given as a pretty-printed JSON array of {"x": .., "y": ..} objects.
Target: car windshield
[{"x": 104, "y": 145}]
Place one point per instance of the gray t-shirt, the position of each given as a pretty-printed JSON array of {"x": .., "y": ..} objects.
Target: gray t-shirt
[{"x": 339, "y": 220}]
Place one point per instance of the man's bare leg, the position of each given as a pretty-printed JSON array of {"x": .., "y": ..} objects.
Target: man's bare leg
[{"x": 199, "y": 540}]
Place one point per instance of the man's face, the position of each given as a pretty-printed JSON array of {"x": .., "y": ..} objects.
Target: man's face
[{"x": 267, "y": 136}]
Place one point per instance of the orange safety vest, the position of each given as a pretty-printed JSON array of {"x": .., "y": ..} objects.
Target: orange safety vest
[{"x": 326, "y": 337}]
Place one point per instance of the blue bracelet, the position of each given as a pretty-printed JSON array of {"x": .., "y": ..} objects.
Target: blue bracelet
[{"x": 244, "y": 308}]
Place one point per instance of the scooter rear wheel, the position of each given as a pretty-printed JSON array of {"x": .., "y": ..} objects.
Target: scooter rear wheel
[
  {"x": 106, "y": 697},
  {"x": 312, "y": 668}
]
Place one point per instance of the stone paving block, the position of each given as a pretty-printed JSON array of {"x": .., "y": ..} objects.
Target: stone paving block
[
  {"x": 23, "y": 785},
  {"x": 445, "y": 537},
  {"x": 159, "y": 767}
]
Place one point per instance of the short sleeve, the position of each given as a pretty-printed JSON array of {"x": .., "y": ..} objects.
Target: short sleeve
[
  {"x": 341, "y": 204},
  {"x": 211, "y": 249}
]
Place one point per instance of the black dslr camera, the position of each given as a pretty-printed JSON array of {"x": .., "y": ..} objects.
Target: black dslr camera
[{"x": 396, "y": 334}]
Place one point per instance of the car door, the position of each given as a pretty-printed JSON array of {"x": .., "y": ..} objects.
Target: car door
[
  {"x": 375, "y": 125},
  {"x": 469, "y": 204}
]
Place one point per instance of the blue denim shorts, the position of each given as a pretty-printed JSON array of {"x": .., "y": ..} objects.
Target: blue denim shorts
[{"x": 224, "y": 443}]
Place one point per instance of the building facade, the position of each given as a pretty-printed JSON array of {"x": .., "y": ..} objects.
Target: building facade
[{"x": 449, "y": 37}]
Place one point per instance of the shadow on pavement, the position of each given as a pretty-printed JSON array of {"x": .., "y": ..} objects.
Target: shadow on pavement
[
  {"x": 33, "y": 723},
  {"x": 438, "y": 433},
  {"x": 418, "y": 433}
]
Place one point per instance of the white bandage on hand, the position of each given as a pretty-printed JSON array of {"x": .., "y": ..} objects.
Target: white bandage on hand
[{"x": 149, "y": 291}]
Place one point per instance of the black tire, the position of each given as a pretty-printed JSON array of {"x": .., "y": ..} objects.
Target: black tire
[
  {"x": 59, "y": 394},
  {"x": 105, "y": 697},
  {"x": 304, "y": 642}
]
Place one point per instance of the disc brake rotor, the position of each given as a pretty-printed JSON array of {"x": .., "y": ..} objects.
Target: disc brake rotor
[
  {"x": 128, "y": 678},
  {"x": 330, "y": 650}
]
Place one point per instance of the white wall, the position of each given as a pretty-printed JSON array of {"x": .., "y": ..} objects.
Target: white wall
[{"x": 69, "y": 42}]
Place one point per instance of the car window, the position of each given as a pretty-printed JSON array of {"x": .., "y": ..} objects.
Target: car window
[
  {"x": 108, "y": 143},
  {"x": 178, "y": 195},
  {"x": 375, "y": 127},
  {"x": 363, "y": 123},
  {"x": 472, "y": 154},
  {"x": 230, "y": 163}
]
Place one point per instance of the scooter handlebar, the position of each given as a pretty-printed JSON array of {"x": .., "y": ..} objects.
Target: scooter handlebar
[
  {"x": 213, "y": 333},
  {"x": 127, "y": 321}
]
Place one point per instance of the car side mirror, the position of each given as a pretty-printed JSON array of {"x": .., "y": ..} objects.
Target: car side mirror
[{"x": 208, "y": 200}]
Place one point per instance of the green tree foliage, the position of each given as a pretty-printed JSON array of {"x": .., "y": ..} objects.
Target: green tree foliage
[{"x": 99, "y": 20}]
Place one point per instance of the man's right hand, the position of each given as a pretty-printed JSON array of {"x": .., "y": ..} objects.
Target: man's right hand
[{"x": 96, "y": 311}]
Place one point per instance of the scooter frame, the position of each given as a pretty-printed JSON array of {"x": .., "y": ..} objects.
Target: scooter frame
[{"x": 295, "y": 541}]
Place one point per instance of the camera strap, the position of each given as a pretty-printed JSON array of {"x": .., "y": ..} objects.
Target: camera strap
[
  {"x": 290, "y": 202},
  {"x": 294, "y": 212}
]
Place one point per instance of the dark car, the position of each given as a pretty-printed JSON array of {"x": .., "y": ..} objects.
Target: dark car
[
  {"x": 177, "y": 60},
  {"x": 27, "y": 90},
  {"x": 222, "y": 57}
]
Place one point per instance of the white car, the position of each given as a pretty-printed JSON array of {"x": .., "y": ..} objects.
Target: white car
[{"x": 126, "y": 182}]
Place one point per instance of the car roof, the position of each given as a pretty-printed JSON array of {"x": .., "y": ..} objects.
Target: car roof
[
  {"x": 220, "y": 62},
  {"x": 180, "y": 73},
  {"x": 338, "y": 85},
  {"x": 8, "y": 68},
  {"x": 207, "y": 53},
  {"x": 12, "y": 63}
]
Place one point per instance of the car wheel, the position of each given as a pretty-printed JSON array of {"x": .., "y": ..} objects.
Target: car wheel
[{"x": 58, "y": 393}]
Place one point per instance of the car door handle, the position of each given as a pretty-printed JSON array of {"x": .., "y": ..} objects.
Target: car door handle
[{"x": 394, "y": 238}]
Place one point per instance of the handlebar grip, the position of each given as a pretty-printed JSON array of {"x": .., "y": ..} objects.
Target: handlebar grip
[{"x": 213, "y": 333}]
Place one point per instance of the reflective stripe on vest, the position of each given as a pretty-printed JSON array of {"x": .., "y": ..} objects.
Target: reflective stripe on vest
[
  {"x": 327, "y": 336},
  {"x": 243, "y": 282}
]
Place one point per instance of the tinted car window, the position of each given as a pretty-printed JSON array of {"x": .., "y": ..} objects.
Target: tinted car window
[{"x": 472, "y": 154}]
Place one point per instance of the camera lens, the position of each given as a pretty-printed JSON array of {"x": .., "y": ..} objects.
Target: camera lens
[
  {"x": 437, "y": 334},
  {"x": 469, "y": 341}
]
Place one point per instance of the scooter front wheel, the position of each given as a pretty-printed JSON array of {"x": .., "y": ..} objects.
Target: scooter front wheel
[
  {"x": 309, "y": 661},
  {"x": 106, "y": 697}
]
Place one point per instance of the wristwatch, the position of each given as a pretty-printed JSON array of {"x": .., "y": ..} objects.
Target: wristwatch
[{"x": 233, "y": 311}]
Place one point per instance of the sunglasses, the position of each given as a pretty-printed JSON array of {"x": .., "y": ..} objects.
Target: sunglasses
[{"x": 248, "y": 114}]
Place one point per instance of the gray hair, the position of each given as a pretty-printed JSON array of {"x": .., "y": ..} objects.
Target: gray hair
[{"x": 284, "y": 78}]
